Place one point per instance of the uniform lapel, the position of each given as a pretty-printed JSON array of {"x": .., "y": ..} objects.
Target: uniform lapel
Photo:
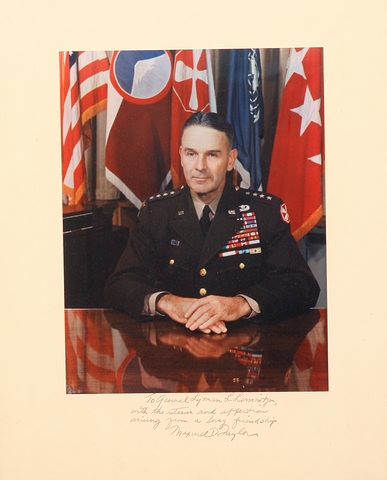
[{"x": 185, "y": 222}]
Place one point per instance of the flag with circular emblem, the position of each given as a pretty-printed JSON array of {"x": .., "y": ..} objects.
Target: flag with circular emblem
[{"x": 138, "y": 122}]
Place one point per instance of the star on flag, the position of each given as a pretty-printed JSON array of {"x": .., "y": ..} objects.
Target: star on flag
[
  {"x": 309, "y": 111},
  {"x": 295, "y": 64},
  {"x": 316, "y": 159}
]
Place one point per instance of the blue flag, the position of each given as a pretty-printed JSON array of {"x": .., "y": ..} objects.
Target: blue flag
[{"x": 245, "y": 113}]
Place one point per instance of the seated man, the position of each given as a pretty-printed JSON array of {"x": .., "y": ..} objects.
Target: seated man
[{"x": 211, "y": 253}]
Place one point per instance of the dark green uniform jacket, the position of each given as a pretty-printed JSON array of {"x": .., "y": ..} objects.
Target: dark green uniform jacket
[{"x": 248, "y": 250}]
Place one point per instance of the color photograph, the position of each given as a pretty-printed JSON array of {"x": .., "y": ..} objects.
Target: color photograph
[{"x": 153, "y": 302}]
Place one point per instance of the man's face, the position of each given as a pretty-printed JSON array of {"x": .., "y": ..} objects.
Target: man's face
[{"x": 206, "y": 155}]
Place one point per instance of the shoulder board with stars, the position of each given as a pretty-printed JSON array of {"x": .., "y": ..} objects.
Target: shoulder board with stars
[
  {"x": 255, "y": 194},
  {"x": 168, "y": 194}
]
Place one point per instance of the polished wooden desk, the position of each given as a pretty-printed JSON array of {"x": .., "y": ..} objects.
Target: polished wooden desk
[{"x": 109, "y": 352}]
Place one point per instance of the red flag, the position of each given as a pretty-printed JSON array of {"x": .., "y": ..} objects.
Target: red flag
[
  {"x": 138, "y": 123},
  {"x": 297, "y": 159},
  {"x": 193, "y": 91},
  {"x": 83, "y": 77}
]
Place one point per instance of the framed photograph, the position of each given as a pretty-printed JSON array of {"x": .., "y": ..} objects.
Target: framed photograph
[{"x": 82, "y": 398}]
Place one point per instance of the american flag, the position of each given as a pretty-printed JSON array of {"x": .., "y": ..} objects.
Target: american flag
[
  {"x": 83, "y": 94},
  {"x": 96, "y": 354},
  {"x": 93, "y": 71}
]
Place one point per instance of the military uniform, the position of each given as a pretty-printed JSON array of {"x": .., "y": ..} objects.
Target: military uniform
[{"x": 248, "y": 250}]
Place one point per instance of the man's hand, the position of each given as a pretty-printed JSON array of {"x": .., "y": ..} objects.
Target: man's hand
[
  {"x": 176, "y": 307},
  {"x": 208, "y": 311}
]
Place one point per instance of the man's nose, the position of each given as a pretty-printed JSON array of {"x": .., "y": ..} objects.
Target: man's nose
[{"x": 201, "y": 162}]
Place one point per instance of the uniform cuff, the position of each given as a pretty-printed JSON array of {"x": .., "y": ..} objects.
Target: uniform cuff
[
  {"x": 150, "y": 303},
  {"x": 255, "y": 310}
]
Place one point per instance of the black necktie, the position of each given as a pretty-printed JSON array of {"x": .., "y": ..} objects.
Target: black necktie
[{"x": 205, "y": 221}]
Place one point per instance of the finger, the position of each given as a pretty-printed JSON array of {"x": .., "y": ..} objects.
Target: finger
[
  {"x": 218, "y": 329},
  {"x": 205, "y": 330},
  {"x": 206, "y": 321},
  {"x": 202, "y": 322},
  {"x": 201, "y": 315},
  {"x": 221, "y": 324},
  {"x": 215, "y": 329},
  {"x": 200, "y": 302}
]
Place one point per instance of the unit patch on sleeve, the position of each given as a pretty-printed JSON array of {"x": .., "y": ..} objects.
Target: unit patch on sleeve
[{"x": 284, "y": 213}]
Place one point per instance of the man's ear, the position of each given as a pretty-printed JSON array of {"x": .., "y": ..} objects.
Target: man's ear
[{"x": 231, "y": 159}]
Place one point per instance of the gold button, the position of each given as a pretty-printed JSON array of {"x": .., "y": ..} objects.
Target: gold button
[
  {"x": 171, "y": 261},
  {"x": 203, "y": 272},
  {"x": 203, "y": 292},
  {"x": 242, "y": 266}
]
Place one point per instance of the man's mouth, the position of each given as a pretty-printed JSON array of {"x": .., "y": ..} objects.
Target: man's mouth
[{"x": 200, "y": 179}]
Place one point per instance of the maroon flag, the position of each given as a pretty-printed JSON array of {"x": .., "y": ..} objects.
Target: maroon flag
[
  {"x": 193, "y": 91},
  {"x": 138, "y": 123},
  {"x": 297, "y": 160}
]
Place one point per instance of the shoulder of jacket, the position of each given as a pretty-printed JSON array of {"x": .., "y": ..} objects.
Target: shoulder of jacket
[
  {"x": 258, "y": 196},
  {"x": 168, "y": 194}
]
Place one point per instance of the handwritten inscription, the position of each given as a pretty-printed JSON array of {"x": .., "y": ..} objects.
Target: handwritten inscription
[{"x": 229, "y": 416}]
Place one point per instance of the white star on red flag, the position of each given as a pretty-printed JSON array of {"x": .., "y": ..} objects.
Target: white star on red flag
[
  {"x": 309, "y": 111},
  {"x": 295, "y": 64},
  {"x": 316, "y": 159},
  {"x": 296, "y": 171}
]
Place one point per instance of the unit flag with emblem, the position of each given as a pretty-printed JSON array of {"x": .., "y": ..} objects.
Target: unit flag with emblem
[{"x": 298, "y": 152}]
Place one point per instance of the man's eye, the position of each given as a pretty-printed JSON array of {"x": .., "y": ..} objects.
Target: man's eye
[
  {"x": 213, "y": 154},
  {"x": 190, "y": 154}
]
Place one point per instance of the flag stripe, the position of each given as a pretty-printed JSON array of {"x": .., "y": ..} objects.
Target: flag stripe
[
  {"x": 83, "y": 95},
  {"x": 72, "y": 149},
  {"x": 93, "y": 103},
  {"x": 93, "y": 73},
  {"x": 93, "y": 86}
]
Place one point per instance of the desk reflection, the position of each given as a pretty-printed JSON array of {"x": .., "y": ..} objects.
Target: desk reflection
[{"x": 109, "y": 352}]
